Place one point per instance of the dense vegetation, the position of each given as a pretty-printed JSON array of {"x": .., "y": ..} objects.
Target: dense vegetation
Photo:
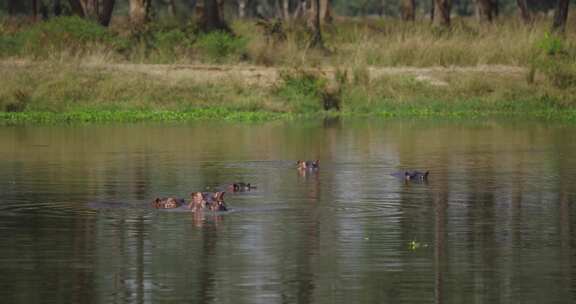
[{"x": 65, "y": 65}]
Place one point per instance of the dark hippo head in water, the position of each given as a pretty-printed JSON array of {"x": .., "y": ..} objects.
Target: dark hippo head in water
[
  {"x": 240, "y": 187},
  {"x": 215, "y": 200},
  {"x": 207, "y": 200},
  {"x": 412, "y": 175},
  {"x": 308, "y": 164},
  {"x": 167, "y": 203}
]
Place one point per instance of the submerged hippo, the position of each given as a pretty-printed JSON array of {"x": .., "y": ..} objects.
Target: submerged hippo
[
  {"x": 167, "y": 203},
  {"x": 240, "y": 187},
  {"x": 199, "y": 201},
  {"x": 308, "y": 164},
  {"x": 412, "y": 175},
  {"x": 213, "y": 201}
]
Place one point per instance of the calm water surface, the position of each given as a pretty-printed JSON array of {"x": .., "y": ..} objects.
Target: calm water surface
[{"x": 495, "y": 223}]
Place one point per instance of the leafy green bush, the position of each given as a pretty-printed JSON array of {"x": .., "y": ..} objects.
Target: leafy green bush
[
  {"x": 220, "y": 46},
  {"x": 551, "y": 44},
  {"x": 555, "y": 59},
  {"x": 71, "y": 34},
  {"x": 302, "y": 89}
]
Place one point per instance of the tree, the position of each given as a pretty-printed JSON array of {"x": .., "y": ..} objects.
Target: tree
[
  {"x": 314, "y": 23},
  {"x": 210, "y": 17},
  {"x": 524, "y": 12},
  {"x": 560, "y": 16},
  {"x": 77, "y": 8},
  {"x": 35, "y": 9},
  {"x": 442, "y": 12},
  {"x": 57, "y": 8},
  {"x": 91, "y": 9},
  {"x": 105, "y": 16},
  {"x": 242, "y": 8},
  {"x": 325, "y": 11},
  {"x": 140, "y": 12},
  {"x": 286, "y": 9},
  {"x": 485, "y": 10},
  {"x": 408, "y": 10},
  {"x": 16, "y": 7}
]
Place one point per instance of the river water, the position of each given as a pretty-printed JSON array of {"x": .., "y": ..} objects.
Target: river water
[{"x": 495, "y": 223}]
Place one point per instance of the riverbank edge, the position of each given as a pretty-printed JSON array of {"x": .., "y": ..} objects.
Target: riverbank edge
[{"x": 220, "y": 114}]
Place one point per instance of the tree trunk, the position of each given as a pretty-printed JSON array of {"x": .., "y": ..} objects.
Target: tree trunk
[
  {"x": 432, "y": 11},
  {"x": 442, "y": 12},
  {"x": 495, "y": 8},
  {"x": 242, "y": 9},
  {"x": 300, "y": 9},
  {"x": 325, "y": 11},
  {"x": 16, "y": 7},
  {"x": 560, "y": 16},
  {"x": 57, "y": 7},
  {"x": 106, "y": 15},
  {"x": 209, "y": 16},
  {"x": 278, "y": 12},
  {"x": 171, "y": 8},
  {"x": 90, "y": 9},
  {"x": 286, "y": 9},
  {"x": 35, "y": 10},
  {"x": 524, "y": 12},
  {"x": 408, "y": 10},
  {"x": 11, "y": 7},
  {"x": 139, "y": 12},
  {"x": 76, "y": 8},
  {"x": 44, "y": 11},
  {"x": 485, "y": 10},
  {"x": 316, "y": 41}
]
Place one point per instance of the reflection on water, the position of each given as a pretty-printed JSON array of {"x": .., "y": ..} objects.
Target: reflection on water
[{"x": 494, "y": 223}]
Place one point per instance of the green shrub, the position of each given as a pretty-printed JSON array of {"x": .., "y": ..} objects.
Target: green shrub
[
  {"x": 551, "y": 44},
  {"x": 71, "y": 34},
  {"x": 555, "y": 59},
  {"x": 302, "y": 89},
  {"x": 221, "y": 46}
]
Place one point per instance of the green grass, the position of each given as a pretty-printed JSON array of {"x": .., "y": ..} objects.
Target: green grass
[
  {"x": 352, "y": 43},
  {"x": 59, "y": 92},
  {"x": 136, "y": 116},
  {"x": 67, "y": 74}
]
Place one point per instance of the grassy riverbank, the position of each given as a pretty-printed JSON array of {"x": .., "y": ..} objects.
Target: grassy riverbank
[
  {"x": 49, "y": 92},
  {"x": 68, "y": 70}
]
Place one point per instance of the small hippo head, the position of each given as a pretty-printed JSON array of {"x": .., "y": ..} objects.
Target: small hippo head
[
  {"x": 197, "y": 201},
  {"x": 407, "y": 176},
  {"x": 166, "y": 203},
  {"x": 215, "y": 201},
  {"x": 416, "y": 176},
  {"x": 308, "y": 164},
  {"x": 240, "y": 187}
]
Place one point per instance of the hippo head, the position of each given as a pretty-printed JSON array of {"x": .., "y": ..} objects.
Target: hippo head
[
  {"x": 165, "y": 203},
  {"x": 407, "y": 176},
  {"x": 216, "y": 201},
  {"x": 197, "y": 201},
  {"x": 315, "y": 164},
  {"x": 301, "y": 164},
  {"x": 240, "y": 187},
  {"x": 308, "y": 164}
]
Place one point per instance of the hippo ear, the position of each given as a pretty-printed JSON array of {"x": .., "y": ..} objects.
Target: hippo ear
[{"x": 219, "y": 196}]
